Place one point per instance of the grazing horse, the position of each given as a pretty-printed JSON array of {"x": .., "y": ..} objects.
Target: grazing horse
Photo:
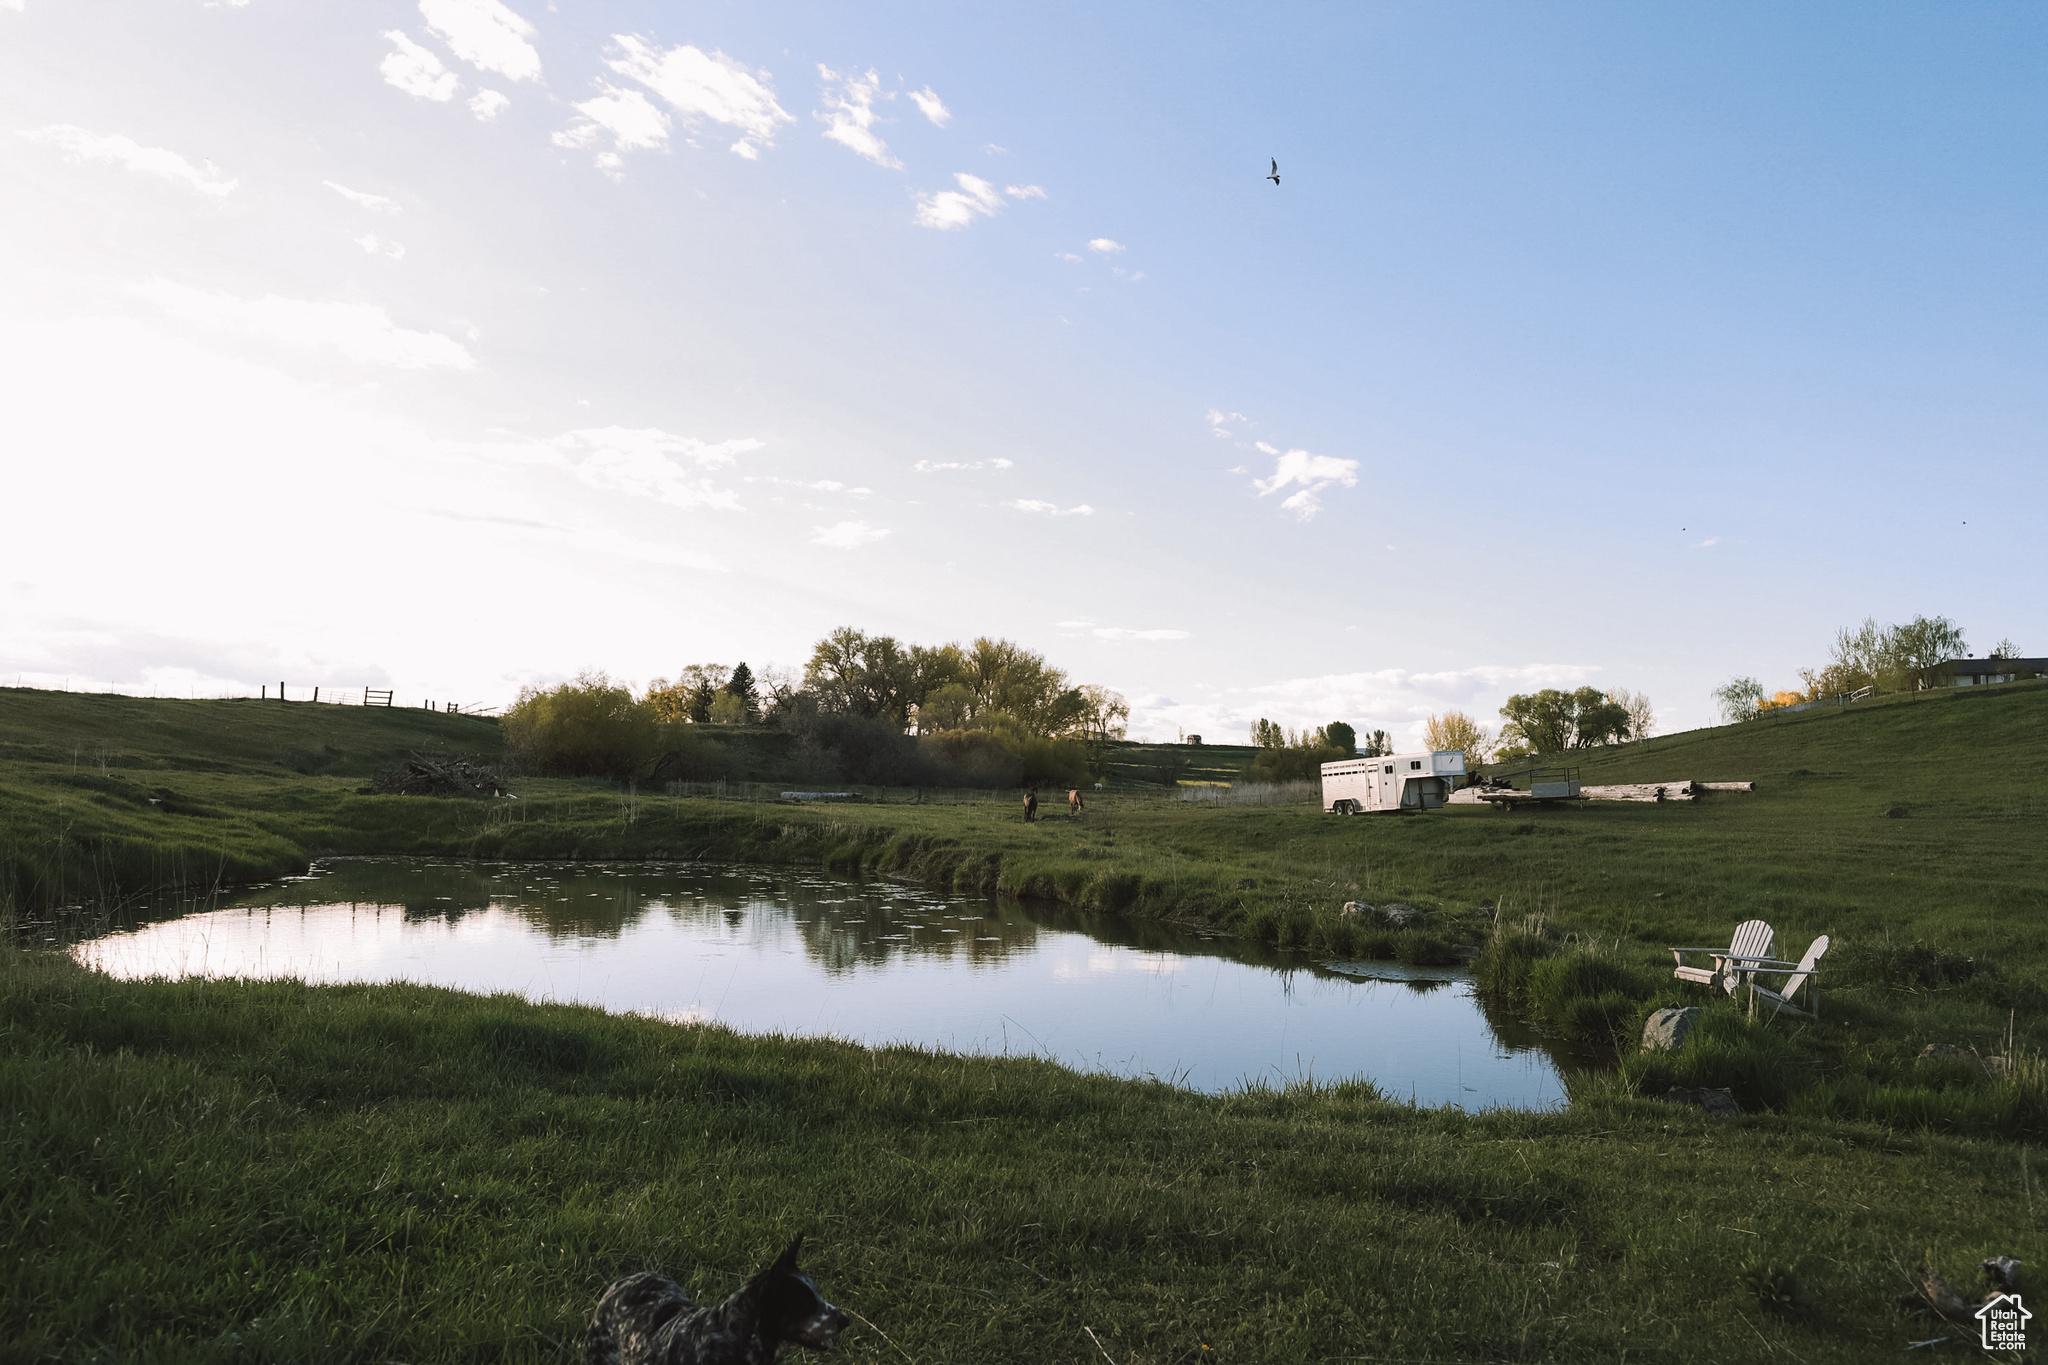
[
  {"x": 1074, "y": 801},
  {"x": 1030, "y": 807}
]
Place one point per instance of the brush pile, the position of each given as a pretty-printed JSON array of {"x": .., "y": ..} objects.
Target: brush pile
[{"x": 421, "y": 775}]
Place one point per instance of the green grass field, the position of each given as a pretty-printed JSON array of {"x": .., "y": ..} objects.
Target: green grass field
[
  {"x": 236, "y": 1171},
  {"x": 257, "y": 1171}
]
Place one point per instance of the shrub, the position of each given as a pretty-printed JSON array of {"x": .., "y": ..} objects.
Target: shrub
[
  {"x": 591, "y": 727},
  {"x": 1502, "y": 969},
  {"x": 1761, "y": 1065},
  {"x": 1583, "y": 998},
  {"x": 971, "y": 758}
]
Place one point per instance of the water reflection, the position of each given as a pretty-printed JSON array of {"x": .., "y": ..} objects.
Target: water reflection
[{"x": 875, "y": 961}]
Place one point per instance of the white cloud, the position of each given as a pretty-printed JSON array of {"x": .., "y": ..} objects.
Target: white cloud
[
  {"x": 948, "y": 209},
  {"x": 651, "y": 463},
  {"x": 1051, "y": 508},
  {"x": 18, "y": 6},
  {"x": 1024, "y": 191},
  {"x": 1105, "y": 244},
  {"x": 933, "y": 466},
  {"x": 358, "y": 197},
  {"x": 1132, "y": 275},
  {"x": 488, "y": 104},
  {"x": 486, "y": 35},
  {"x": 811, "y": 486},
  {"x": 627, "y": 117},
  {"x": 360, "y": 331},
  {"x": 1216, "y": 418},
  {"x": 991, "y": 149},
  {"x": 417, "y": 71},
  {"x": 849, "y": 115},
  {"x": 129, "y": 154},
  {"x": 1065, "y": 256},
  {"x": 1313, "y": 473},
  {"x": 931, "y": 106},
  {"x": 1122, "y": 632},
  {"x": 847, "y": 535},
  {"x": 378, "y": 246},
  {"x": 706, "y": 86}
]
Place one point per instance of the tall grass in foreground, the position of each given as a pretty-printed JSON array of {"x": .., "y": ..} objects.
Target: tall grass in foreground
[{"x": 237, "y": 1171}]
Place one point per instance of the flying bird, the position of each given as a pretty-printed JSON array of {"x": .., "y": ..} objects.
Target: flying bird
[{"x": 1275, "y": 176}]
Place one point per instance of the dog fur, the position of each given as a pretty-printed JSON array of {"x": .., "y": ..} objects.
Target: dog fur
[{"x": 647, "y": 1319}]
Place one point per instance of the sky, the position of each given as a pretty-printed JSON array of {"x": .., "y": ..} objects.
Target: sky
[{"x": 458, "y": 346}]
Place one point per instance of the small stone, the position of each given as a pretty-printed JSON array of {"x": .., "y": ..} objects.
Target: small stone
[
  {"x": 1718, "y": 1104},
  {"x": 1995, "y": 1067},
  {"x": 1357, "y": 908},
  {"x": 1397, "y": 913},
  {"x": 1665, "y": 1030}
]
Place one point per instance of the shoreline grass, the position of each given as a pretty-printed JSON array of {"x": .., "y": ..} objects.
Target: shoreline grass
[{"x": 253, "y": 1171}]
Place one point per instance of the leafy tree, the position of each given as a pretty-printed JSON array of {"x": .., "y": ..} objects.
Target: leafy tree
[
  {"x": 1739, "y": 699},
  {"x": 1105, "y": 715},
  {"x": 1456, "y": 730},
  {"x": 2005, "y": 649},
  {"x": 1915, "y": 651},
  {"x": 591, "y": 727},
  {"x": 1541, "y": 722},
  {"x": 1552, "y": 721},
  {"x": 689, "y": 697},
  {"x": 1268, "y": 735},
  {"x": 1642, "y": 716},
  {"x": 1339, "y": 735},
  {"x": 1904, "y": 658},
  {"x": 1600, "y": 719},
  {"x": 741, "y": 688},
  {"x": 728, "y": 709},
  {"x": 865, "y": 675},
  {"x": 1377, "y": 746}
]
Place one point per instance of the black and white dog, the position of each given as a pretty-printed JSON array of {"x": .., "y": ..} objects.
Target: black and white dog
[{"x": 647, "y": 1319}]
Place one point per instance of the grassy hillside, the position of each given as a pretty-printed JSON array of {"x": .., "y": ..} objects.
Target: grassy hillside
[
  {"x": 230, "y": 1171},
  {"x": 87, "y": 733}
]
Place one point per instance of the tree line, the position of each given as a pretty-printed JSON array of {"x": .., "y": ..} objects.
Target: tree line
[
  {"x": 1864, "y": 658},
  {"x": 865, "y": 709}
]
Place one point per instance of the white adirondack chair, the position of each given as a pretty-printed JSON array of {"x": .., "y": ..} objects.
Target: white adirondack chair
[
  {"x": 1752, "y": 940},
  {"x": 1781, "y": 998}
]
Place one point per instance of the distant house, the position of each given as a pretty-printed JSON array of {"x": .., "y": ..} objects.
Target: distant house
[{"x": 1983, "y": 672}]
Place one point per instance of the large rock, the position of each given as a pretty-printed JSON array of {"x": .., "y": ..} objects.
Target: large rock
[
  {"x": 1392, "y": 913},
  {"x": 1665, "y": 1030}
]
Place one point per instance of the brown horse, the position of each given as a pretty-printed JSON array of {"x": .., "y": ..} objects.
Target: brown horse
[
  {"x": 1074, "y": 801},
  {"x": 1030, "y": 807}
]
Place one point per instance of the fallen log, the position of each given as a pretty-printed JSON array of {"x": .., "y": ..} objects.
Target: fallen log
[
  {"x": 1643, "y": 791},
  {"x": 1724, "y": 786}
]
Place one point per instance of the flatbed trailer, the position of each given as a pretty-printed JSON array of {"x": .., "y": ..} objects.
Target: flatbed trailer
[{"x": 1547, "y": 787}]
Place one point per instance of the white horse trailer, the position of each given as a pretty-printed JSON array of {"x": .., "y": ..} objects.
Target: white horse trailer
[{"x": 1352, "y": 786}]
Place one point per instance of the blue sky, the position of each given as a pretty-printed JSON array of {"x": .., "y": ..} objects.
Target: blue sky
[{"x": 455, "y": 345}]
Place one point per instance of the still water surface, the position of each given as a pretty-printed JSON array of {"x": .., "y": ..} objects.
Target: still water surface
[{"x": 775, "y": 950}]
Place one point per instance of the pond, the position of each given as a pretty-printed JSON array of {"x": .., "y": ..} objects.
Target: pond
[{"x": 778, "y": 950}]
